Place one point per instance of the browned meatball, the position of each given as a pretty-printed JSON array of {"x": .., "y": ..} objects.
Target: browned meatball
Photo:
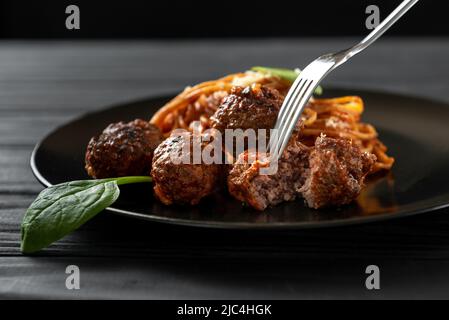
[
  {"x": 178, "y": 182},
  {"x": 337, "y": 171},
  {"x": 247, "y": 184},
  {"x": 123, "y": 149},
  {"x": 254, "y": 107},
  {"x": 331, "y": 173}
]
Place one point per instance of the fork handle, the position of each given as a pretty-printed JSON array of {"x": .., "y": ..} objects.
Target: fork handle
[{"x": 378, "y": 31}]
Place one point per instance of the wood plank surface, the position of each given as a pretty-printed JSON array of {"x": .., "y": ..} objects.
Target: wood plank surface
[{"x": 45, "y": 84}]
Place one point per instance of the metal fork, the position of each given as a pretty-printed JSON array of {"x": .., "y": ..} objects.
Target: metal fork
[{"x": 307, "y": 81}]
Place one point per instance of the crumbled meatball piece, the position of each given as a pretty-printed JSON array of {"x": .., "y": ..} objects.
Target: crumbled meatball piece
[
  {"x": 337, "y": 171},
  {"x": 246, "y": 183},
  {"x": 331, "y": 173}
]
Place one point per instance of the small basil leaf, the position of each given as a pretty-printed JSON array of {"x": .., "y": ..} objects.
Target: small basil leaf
[
  {"x": 60, "y": 209},
  {"x": 285, "y": 74}
]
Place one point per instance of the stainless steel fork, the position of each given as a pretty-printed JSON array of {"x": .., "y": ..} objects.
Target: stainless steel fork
[{"x": 304, "y": 85}]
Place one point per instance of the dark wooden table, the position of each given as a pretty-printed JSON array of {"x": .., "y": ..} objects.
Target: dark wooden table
[{"x": 44, "y": 84}]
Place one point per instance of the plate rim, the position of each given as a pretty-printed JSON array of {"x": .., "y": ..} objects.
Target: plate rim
[{"x": 241, "y": 225}]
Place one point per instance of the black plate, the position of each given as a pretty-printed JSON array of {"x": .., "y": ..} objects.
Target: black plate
[{"x": 415, "y": 130}]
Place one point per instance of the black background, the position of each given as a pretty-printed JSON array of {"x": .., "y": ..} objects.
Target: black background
[{"x": 191, "y": 19}]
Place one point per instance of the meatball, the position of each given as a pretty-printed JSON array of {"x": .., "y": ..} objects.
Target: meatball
[
  {"x": 337, "y": 171},
  {"x": 176, "y": 177},
  {"x": 254, "y": 107},
  {"x": 330, "y": 173},
  {"x": 123, "y": 149},
  {"x": 246, "y": 183}
]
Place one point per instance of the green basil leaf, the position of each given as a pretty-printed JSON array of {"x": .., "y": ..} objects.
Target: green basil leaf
[
  {"x": 60, "y": 209},
  {"x": 285, "y": 74}
]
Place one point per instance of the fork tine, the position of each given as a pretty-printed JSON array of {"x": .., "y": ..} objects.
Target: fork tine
[
  {"x": 287, "y": 101},
  {"x": 289, "y": 126},
  {"x": 288, "y": 111},
  {"x": 291, "y": 96},
  {"x": 294, "y": 104},
  {"x": 294, "y": 112}
]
